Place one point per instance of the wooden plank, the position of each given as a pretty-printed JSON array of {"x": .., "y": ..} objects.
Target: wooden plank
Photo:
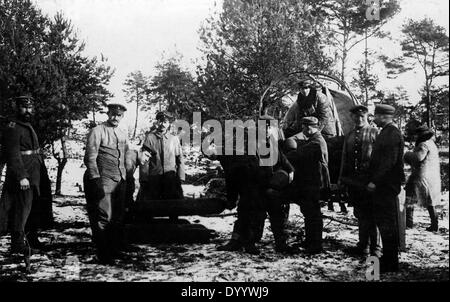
[
  {"x": 168, "y": 232},
  {"x": 179, "y": 207}
]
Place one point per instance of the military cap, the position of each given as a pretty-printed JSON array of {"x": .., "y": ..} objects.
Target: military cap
[
  {"x": 309, "y": 120},
  {"x": 162, "y": 115},
  {"x": 384, "y": 109},
  {"x": 24, "y": 100},
  {"x": 359, "y": 109},
  {"x": 116, "y": 105}
]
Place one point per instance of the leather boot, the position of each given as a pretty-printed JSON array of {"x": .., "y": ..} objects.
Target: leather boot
[
  {"x": 389, "y": 261},
  {"x": 18, "y": 245},
  {"x": 250, "y": 248},
  {"x": 33, "y": 240},
  {"x": 434, "y": 219},
  {"x": 232, "y": 245}
]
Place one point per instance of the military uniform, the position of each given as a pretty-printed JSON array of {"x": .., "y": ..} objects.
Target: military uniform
[
  {"x": 29, "y": 209},
  {"x": 315, "y": 104},
  {"x": 386, "y": 172},
  {"x": 161, "y": 177},
  {"x": 105, "y": 186},
  {"x": 248, "y": 179},
  {"x": 311, "y": 177},
  {"x": 354, "y": 175}
]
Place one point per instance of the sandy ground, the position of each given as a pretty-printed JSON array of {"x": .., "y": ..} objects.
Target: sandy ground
[{"x": 70, "y": 255}]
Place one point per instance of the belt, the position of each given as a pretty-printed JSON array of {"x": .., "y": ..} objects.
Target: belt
[{"x": 31, "y": 152}]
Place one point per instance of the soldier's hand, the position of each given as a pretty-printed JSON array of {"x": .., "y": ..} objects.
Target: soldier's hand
[
  {"x": 24, "y": 184},
  {"x": 98, "y": 191},
  {"x": 371, "y": 187}
]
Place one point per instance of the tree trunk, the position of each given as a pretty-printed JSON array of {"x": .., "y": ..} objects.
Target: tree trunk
[
  {"x": 136, "y": 120},
  {"x": 428, "y": 106},
  {"x": 366, "y": 58},
  {"x": 61, "y": 165}
]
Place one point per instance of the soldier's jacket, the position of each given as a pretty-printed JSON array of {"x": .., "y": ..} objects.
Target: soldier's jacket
[
  {"x": 356, "y": 154},
  {"x": 17, "y": 138},
  {"x": 315, "y": 104},
  {"x": 311, "y": 164},
  {"x": 105, "y": 152},
  {"x": 386, "y": 164},
  {"x": 167, "y": 155}
]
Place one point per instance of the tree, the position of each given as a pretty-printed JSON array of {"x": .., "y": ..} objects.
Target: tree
[
  {"x": 399, "y": 99},
  {"x": 348, "y": 24},
  {"x": 247, "y": 46},
  {"x": 43, "y": 57},
  {"x": 136, "y": 91},
  {"x": 82, "y": 90},
  {"x": 173, "y": 87},
  {"x": 366, "y": 81},
  {"x": 439, "y": 106},
  {"x": 426, "y": 44}
]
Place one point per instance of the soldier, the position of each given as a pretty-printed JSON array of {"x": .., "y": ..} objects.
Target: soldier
[
  {"x": 249, "y": 180},
  {"x": 26, "y": 196},
  {"x": 310, "y": 102},
  {"x": 311, "y": 177},
  {"x": 161, "y": 177},
  {"x": 104, "y": 182},
  {"x": 385, "y": 180},
  {"x": 354, "y": 175}
]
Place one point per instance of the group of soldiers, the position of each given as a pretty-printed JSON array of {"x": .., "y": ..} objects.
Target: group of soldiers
[{"x": 371, "y": 169}]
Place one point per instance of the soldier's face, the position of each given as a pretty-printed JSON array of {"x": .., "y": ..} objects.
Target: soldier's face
[
  {"x": 163, "y": 125},
  {"x": 360, "y": 119},
  {"x": 115, "y": 116},
  {"x": 25, "y": 112},
  {"x": 382, "y": 119}
]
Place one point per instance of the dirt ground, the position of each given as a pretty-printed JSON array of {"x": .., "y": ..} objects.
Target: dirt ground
[{"x": 70, "y": 255}]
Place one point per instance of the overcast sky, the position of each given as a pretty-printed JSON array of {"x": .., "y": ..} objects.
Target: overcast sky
[{"x": 134, "y": 34}]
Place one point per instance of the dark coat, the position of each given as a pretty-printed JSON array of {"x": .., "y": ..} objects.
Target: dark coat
[
  {"x": 315, "y": 104},
  {"x": 311, "y": 164},
  {"x": 386, "y": 164},
  {"x": 19, "y": 137}
]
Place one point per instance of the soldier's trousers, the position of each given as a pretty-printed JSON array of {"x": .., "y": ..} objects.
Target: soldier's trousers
[
  {"x": 385, "y": 202},
  {"x": 369, "y": 236},
  {"x": 106, "y": 215},
  {"x": 20, "y": 209},
  {"x": 248, "y": 227},
  {"x": 160, "y": 187},
  {"x": 311, "y": 210}
]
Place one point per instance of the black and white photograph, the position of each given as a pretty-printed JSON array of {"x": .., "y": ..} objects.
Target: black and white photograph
[{"x": 221, "y": 145}]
